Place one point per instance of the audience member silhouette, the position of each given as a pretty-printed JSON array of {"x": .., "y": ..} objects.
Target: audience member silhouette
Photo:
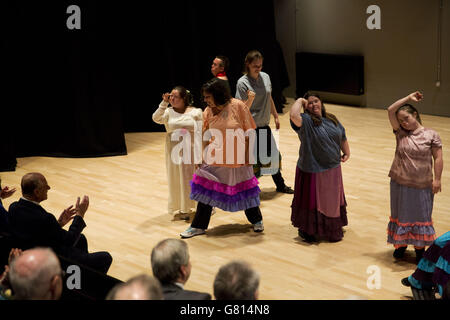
[
  {"x": 141, "y": 287},
  {"x": 172, "y": 267},
  {"x": 33, "y": 226},
  {"x": 36, "y": 275},
  {"x": 236, "y": 281}
]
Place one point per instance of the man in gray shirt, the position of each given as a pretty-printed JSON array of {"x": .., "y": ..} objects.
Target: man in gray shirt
[{"x": 261, "y": 107}]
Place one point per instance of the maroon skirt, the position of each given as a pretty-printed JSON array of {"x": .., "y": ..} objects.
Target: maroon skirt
[{"x": 319, "y": 206}]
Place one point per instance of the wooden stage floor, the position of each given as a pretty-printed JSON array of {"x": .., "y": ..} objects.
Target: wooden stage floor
[{"x": 128, "y": 200}]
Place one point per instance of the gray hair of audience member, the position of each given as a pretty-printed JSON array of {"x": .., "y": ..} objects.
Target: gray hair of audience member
[
  {"x": 236, "y": 281},
  {"x": 140, "y": 287},
  {"x": 167, "y": 258},
  {"x": 32, "y": 275}
]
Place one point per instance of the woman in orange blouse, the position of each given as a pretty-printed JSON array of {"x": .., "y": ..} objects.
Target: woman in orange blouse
[{"x": 225, "y": 179}]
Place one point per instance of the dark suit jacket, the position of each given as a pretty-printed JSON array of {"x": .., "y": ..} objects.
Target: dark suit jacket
[
  {"x": 173, "y": 292},
  {"x": 30, "y": 223},
  {"x": 3, "y": 218}
]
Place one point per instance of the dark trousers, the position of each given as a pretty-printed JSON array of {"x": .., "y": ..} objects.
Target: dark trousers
[
  {"x": 100, "y": 261},
  {"x": 203, "y": 215},
  {"x": 277, "y": 177}
]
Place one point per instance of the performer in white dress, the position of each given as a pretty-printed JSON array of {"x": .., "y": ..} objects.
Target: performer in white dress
[{"x": 182, "y": 122}]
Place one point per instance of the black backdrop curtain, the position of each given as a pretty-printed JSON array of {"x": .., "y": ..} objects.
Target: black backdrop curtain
[{"x": 74, "y": 93}]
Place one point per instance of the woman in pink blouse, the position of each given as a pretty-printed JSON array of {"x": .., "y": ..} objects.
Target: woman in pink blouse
[{"x": 412, "y": 183}]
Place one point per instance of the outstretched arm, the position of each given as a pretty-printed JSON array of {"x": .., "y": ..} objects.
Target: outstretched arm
[
  {"x": 295, "y": 111},
  {"x": 438, "y": 167},
  {"x": 415, "y": 96}
]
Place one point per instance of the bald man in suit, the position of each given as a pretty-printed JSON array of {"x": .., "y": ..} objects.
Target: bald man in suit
[{"x": 34, "y": 226}]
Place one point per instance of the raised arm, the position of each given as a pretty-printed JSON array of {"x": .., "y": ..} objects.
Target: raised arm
[
  {"x": 438, "y": 167},
  {"x": 250, "y": 98},
  {"x": 244, "y": 94},
  {"x": 415, "y": 96},
  {"x": 6, "y": 192},
  {"x": 159, "y": 113},
  {"x": 295, "y": 111}
]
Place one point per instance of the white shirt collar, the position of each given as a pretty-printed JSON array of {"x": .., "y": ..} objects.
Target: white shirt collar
[
  {"x": 30, "y": 201},
  {"x": 179, "y": 284}
]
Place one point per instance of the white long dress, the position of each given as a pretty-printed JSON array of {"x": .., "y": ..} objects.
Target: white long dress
[{"x": 179, "y": 164}]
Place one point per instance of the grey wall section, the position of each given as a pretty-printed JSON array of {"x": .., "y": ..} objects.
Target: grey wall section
[
  {"x": 400, "y": 58},
  {"x": 285, "y": 13}
]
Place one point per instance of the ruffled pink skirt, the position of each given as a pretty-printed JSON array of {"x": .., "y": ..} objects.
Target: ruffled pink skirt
[{"x": 319, "y": 206}]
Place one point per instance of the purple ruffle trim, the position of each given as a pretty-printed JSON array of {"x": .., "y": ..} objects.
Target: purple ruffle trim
[
  {"x": 224, "y": 188},
  {"x": 231, "y": 207},
  {"x": 251, "y": 193}
]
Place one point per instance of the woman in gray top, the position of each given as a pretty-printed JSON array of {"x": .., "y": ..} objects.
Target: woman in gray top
[
  {"x": 319, "y": 206},
  {"x": 255, "y": 88}
]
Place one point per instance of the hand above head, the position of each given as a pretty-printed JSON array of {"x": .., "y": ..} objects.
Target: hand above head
[
  {"x": 6, "y": 192},
  {"x": 296, "y": 110},
  {"x": 304, "y": 104},
  {"x": 67, "y": 215},
  {"x": 416, "y": 96},
  {"x": 82, "y": 206}
]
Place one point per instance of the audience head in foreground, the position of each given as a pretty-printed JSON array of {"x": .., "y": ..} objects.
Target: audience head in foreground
[
  {"x": 236, "y": 281},
  {"x": 36, "y": 275},
  {"x": 141, "y": 287},
  {"x": 171, "y": 265}
]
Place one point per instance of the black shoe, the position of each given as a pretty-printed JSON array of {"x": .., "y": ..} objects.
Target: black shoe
[
  {"x": 399, "y": 253},
  {"x": 419, "y": 254},
  {"x": 285, "y": 189},
  {"x": 406, "y": 282},
  {"x": 306, "y": 237}
]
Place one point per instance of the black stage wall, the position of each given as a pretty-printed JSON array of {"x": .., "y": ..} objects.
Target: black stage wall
[{"x": 73, "y": 93}]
